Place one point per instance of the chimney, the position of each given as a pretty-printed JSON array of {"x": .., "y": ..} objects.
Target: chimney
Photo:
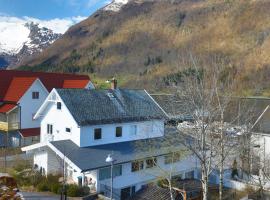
[{"x": 113, "y": 84}]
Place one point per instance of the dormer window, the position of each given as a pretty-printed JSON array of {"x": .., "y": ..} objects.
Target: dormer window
[
  {"x": 35, "y": 95},
  {"x": 59, "y": 106},
  {"x": 118, "y": 131},
  {"x": 68, "y": 130}
]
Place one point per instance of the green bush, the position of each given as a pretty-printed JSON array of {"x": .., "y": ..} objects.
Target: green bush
[
  {"x": 56, "y": 188},
  {"x": 43, "y": 186},
  {"x": 73, "y": 190}
]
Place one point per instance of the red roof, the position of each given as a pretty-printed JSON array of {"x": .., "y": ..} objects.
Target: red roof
[
  {"x": 9, "y": 80},
  {"x": 30, "y": 132},
  {"x": 75, "y": 83},
  {"x": 7, "y": 107},
  {"x": 18, "y": 87}
]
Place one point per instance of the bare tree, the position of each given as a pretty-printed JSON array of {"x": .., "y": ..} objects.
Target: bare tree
[
  {"x": 207, "y": 90},
  {"x": 169, "y": 146}
]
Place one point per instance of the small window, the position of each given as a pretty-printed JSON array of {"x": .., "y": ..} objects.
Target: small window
[
  {"x": 133, "y": 130},
  {"x": 97, "y": 134},
  {"x": 151, "y": 162},
  {"x": 68, "y": 130},
  {"x": 137, "y": 166},
  {"x": 49, "y": 128},
  {"x": 35, "y": 95},
  {"x": 118, "y": 131},
  {"x": 105, "y": 173},
  {"x": 172, "y": 158},
  {"x": 59, "y": 106}
]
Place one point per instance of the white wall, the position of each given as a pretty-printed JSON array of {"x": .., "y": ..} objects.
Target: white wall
[
  {"x": 60, "y": 119},
  {"x": 41, "y": 159},
  {"x": 141, "y": 177},
  {"x": 48, "y": 160},
  {"x": 30, "y": 106},
  {"x": 147, "y": 129}
]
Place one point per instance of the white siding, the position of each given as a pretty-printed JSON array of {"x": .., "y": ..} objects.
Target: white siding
[
  {"x": 129, "y": 178},
  {"x": 60, "y": 119},
  {"x": 41, "y": 159},
  {"x": 147, "y": 129},
  {"x": 30, "y": 106}
]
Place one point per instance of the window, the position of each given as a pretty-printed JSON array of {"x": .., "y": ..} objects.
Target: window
[
  {"x": 68, "y": 130},
  {"x": 59, "y": 106},
  {"x": 172, "y": 158},
  {"x": 151, "y": 162},
  {"x": 133, "y": 130},
  {"x": 49, "y": 128},
  {"x": 118, "y": 131},
  {"x": 97, "y": 134},
  {"x": 105, "y": 173},
  {"x": 137, "y": 166},
  {"x": 35, "y": 95}
]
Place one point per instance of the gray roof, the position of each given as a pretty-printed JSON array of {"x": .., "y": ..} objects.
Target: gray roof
[
  {"x": 89, "y": 107},
  {"x": 93, "y": 157},
  {"x": 174, "y": 106}
]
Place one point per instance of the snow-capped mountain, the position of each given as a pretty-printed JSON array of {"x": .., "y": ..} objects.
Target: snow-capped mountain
[
  {"x": 115, "y": 5},
  {"x": 19, "y": 40}
]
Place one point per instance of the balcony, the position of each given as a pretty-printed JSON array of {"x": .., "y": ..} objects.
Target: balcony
[{"x": 12, "y": 126}]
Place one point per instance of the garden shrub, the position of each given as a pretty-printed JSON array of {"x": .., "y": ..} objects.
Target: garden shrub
[
  {"x": 43, "y": 186},
  {"x": 73, "y": 190},
  {"x": 56, "y": 188}
]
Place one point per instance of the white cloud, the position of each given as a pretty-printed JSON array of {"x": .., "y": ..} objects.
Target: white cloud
[{"x": 57, "y": 25}]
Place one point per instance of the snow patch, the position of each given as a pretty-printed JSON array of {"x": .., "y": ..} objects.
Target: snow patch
[
  {"x": 14, "y": 33},
  {"x": 116, "y": 5}
]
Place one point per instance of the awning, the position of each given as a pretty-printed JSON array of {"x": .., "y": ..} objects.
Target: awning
[
  {"x": 30, "y": 132},
  {"x": 5, "y": 108}
]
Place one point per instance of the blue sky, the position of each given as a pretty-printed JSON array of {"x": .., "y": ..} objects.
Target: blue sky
[{"x": 50, "y": 9}]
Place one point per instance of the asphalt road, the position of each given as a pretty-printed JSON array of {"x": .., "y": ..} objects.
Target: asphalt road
[{"x": 39, "y": 196}]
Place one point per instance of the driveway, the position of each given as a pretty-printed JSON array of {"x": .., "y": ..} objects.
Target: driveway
[{"x": 39, "y": 196}]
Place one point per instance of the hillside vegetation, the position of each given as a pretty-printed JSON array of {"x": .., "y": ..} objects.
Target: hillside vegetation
[{"x": 149, "y": 43}]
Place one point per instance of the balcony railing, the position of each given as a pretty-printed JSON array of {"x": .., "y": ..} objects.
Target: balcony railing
[{"x": 12, "y": 126}]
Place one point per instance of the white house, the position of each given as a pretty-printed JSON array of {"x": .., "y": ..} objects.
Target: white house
[
  {"x": 21, "y": 94},
  {"x": 81, "y": 127}
]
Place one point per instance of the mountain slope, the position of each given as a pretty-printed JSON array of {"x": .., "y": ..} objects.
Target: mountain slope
[
  {"x": 16, "y": 47},
  {"x": 145, "y": 43}
]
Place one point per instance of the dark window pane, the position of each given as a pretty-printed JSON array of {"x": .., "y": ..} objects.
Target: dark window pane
[
  {"x": 118, "y": 131},
  {"x": 136, "y": 166},
  {"x": 68, "y": 130},
  {"x": 97, "y": 134},
  {"x": 151, "y": 162},
  {"x": 59, "y": 105}
]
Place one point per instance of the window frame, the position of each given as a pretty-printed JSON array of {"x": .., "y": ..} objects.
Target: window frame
[
  {"x": 50, "y": 129},
  {"x": 35, "y": 95},
  {"x": 58, "y": 105},
  {"x": 119, "y": 134},
  {"x": 139, "y": 165},
  {"x": 134, "y": 130},
  {"x": 100, "y": 132},
  {"x": 150, "y": 162},
  {"x": 67, "y": 128},
  {"x": 172, "y": 158}
]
